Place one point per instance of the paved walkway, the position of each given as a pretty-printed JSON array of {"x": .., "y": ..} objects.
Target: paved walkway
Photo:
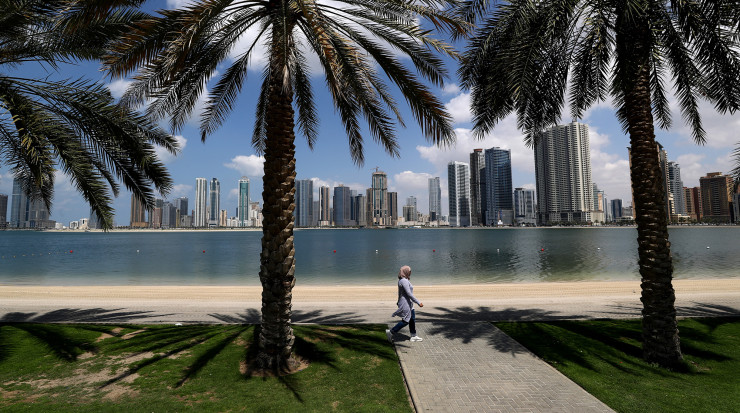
[{"x": 475, "y": 367}]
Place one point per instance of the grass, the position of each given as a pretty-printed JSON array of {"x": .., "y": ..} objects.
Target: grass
[
  {"x": 604, "y": 357},
  {"x": 77, "y": 368}
]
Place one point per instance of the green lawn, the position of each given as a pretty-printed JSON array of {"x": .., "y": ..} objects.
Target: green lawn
[
  {"x": 603, "y": 357},
  {"x": 53, "y": 367}
]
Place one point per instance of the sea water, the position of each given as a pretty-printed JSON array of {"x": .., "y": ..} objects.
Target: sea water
[{"x": 357, "y": 256}]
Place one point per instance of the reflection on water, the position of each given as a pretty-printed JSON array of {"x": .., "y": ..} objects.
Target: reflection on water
[{"x": 437, "y": 256}]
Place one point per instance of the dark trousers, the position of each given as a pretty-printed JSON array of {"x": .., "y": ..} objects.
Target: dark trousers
[{"x": 411, "y": 323}]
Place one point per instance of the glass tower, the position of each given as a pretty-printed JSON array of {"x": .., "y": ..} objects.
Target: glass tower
[
  {"x": 499, "y": 205},
  {"x": 201, "y": 191},
  {"x": 243, "y": 208},
  {"x": 458, "y": 186}
]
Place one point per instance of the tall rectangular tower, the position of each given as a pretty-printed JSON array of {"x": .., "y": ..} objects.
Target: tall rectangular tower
[
  {"x": 214, "y": 194},
  {"x": 458, "y": 186},
  {"x": 201, "y": 195},
  {"x": 563, "y": 174},
  {"x": 716, "y": 195},
  {"x": 499, "y": 205},
  {"x": 138, "y": 219},
  {"x": 19, "y": 206},
  {"x": 392, "y": 208},
  {"x": 3, "y": 211},
  {"x": 524, "y": 207},
  {"x": 675, "y": 187},
  {"x": 243, "y": 206},
  {"x": 324, "y": 205},
  {"x": 303, "y": 202},
  {"x": 342, "y": 206},
  {"x": 477, "y": 187},
  {"x": 379, "y": 199},
  {"x": 435, "y": 200}
]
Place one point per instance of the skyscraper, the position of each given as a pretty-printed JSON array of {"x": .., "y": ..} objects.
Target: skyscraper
[
  {"x": 201, "y": 195},
  {"x": 499, "y": 206},
  {"x": 409, "y": 210},
  {"x": 243, "y": 206},
  {"x": 379, "y": 199},
  {"x": 138, "y": 219},
  {"x": 458, "y": 189},
  {"x": 675, "y": 187},
  {"x": 342, "y": 206},
  {"x": 616, "y": 206},
  {"x": 692, "y": 197},
  {"x": 3, "y": 211},
  {"x": 716, "y": 195},
  {"x": 563, "y": 174},
  {"x": 19, "y": 206},
  {"x": 599, "y": 211},
  {"x": 525, "y": 211},
  {"x": 324, "y": 205},
  {"x": 435, "y": 199},
  {"x": 214, "y": 194},
  {"x": 361, "y": 210},
  {"x": 303, "y": 202},
  {"x": 477, "y": 187},
  {"x": 392, "y": 209}
]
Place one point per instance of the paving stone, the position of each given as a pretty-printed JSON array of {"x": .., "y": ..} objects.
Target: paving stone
[{"x": 478, "y": 368}]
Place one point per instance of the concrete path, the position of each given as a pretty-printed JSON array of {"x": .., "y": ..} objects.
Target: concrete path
[{"x": 475, "y": 367}]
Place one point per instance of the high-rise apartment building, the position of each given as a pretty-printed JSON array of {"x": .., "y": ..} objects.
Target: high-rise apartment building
[
  {"x": 379, "y": 199},
  {"x": 324, "y": 206},
  {"x": 26, "y": 212},
  {"x": 360, "y": 206},
  {"x": 692, "y": 197},
  {"x": 303, "y": 202},
  {"x": 409, "y": 210},
  {"x": 214, "y": 195},
  {"x": 392, "y": 208},
  {"x": 477, "y": 187},
  {"x": 3, "y": 211},
  {"x": 458, "y": 189},
  {"x": 716, "y": 195},
  {"x": 138, "y": 219},
  {"x": 616, "y": 209},
  {"x": 243, "y": 205},
  {"x": 599, "y": 211},
  {"x": 499, "y": 205},
  {"x": 675, "y": 187},
  {"x": 525, "y": 211},
  {"x": 435, "y": 200},
  {"x": 563, "y": 174},
  {"x": 343, "y": 206},
  {"x": 200, "y": 218},
  {"x": 18, "y": 206}
]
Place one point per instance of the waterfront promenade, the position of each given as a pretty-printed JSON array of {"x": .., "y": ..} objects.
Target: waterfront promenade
[{"x": 464, "y": 363}]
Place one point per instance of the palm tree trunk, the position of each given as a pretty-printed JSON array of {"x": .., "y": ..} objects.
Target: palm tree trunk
[
  {"x": 661, "y": 343},
  {"x": 277, "y": 261}
]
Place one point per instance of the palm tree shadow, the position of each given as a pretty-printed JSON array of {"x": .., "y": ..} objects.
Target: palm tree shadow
[{"x": 80, "y": 316}]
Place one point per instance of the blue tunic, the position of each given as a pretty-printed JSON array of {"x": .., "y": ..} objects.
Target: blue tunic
[{"x": 406, "y": 299}]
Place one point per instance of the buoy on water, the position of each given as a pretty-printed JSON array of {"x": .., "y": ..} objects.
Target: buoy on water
[
  {"x": 335, "y": 251},
  {"x": 71, "y": 251},
  {"x": 434, "y": 250},
  {"x": 204, "y": 251}
]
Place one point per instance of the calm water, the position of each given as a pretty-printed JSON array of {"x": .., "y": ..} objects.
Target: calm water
[{"x": 362, "y": 257}]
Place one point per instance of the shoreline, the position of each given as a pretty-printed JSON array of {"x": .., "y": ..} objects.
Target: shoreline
[{"x": 367, "y": 293}]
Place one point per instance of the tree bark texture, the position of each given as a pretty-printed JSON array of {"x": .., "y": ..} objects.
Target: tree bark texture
[
  {"x": 660, "y": 340},
  {"x": 277, "y": 261}
]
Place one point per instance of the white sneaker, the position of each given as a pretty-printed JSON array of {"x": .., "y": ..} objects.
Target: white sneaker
[
  {"x": 416, "y": 338},
  {"x": 389, "y": 335}
]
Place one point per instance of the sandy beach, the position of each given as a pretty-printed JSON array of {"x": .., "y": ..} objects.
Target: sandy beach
[{"x": 333, "y": 303}]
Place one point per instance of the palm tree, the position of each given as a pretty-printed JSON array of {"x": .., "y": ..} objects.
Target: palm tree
[
  {"x": 520, "y": 61},
  {"x": 179, "y": 51},
  {"x": 73, "y": 125}
]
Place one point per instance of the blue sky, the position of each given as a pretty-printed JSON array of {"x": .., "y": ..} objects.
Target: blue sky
[{"x": 228, "y": 155}]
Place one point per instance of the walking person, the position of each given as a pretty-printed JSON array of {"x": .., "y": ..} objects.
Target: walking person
[{"x": 406, "y": 300}]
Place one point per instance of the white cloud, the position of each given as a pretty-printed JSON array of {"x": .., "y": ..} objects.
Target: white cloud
[
  {"x": 409, "y": 183},
  {"x": 167, "y": 157},
  {"x": 459, "y": 108},
  {"x": 451, "y": 89},
  {"x": 118, "y": 87},
  {"x": 248, "y": 165},
  {"x": 233, "y": 194},
  {"x": 181, "y": 190},
  {"x": 176, "y": 4}
]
